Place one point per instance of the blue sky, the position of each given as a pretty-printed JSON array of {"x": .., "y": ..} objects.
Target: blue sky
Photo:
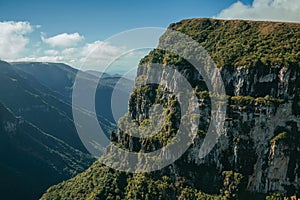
[
  {"x": 101, "y": 19},
  {"x": 67, "y": 31}
]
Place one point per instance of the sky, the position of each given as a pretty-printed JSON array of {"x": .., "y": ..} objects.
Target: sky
[{"x": 68, "y": 31}]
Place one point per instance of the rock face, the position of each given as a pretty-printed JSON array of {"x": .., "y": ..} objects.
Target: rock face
[
  {"x": 250, "y": 126},
  {"x": 262, "y": 103},
  {"x": 259, "y": 148}
]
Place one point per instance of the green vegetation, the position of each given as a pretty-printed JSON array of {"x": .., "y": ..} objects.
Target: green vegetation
[
  {"x": 232, "y": 185},
  {"x": 238, "y": 43},
  {"x": 245, "y": 43},
  {"x": 142, "y": 186},
  {"x": 280, "y": 136},
  {"x": 141, "y": 99},
  {"x": 287, "y": 137},
  {"x": 275, "y": 196},
  {"x": 251, "y": 103},
  {"x": 100, "y": 182},
  {"x": 266, "y": 101},
  {"x": 203, "y": 94}
]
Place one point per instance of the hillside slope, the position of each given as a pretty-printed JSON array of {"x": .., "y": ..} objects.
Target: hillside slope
[
  {"x": 60, "y": 78},
  {"x": 47, "y": 149},
  {"x": 31, "y": 159}
]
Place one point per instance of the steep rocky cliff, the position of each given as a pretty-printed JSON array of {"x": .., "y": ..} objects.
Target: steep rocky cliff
[{"x": 258, "y": 151}]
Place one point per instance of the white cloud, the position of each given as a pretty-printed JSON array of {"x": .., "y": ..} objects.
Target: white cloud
[
  {"x": 69, "y": 51},
  {"x": 41, "y": 59},
  {"x": 13, "y": 38},
  {"x": 51, "y": 52},
  {"x": 271, "y": 10},
  {"x": 96, "y": 55},
  {"x": 100, "y": 49},
  {"x": 99, "y": 54},
  {"x": 63, "y": 40}
]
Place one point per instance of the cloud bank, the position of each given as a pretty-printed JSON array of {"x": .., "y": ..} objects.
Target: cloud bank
[
  {"x": 270, "y": 10},
  {"x": 63, "y": 40},
  {"x": 95, "y": 55},
  {"x": 99, "y": 53},
  {"x": 13, "y": 38}
]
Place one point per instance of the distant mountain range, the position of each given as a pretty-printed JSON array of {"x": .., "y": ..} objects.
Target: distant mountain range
[
  {"x": 60, "y": 77},
  {"x": 39, "y": 145}
]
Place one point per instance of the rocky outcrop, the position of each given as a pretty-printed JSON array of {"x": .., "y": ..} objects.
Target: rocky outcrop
[
  {"x": 250, "y": 125},
  {"x": 262, "y": 101}
]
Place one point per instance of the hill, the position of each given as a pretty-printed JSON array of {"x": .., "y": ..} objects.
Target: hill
[{"x": 31, "y": 159}]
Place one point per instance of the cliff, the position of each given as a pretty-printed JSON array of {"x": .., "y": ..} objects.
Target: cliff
[{"x": 257, "y": 153}]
